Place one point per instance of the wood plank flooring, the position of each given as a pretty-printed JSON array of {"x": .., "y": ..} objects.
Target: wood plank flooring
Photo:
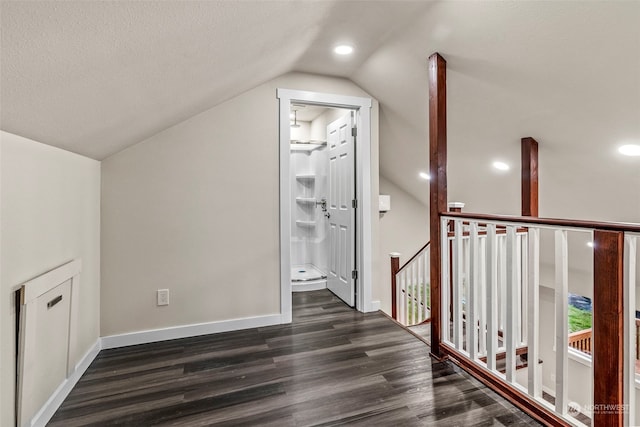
[{"x": 332, "y": 366}]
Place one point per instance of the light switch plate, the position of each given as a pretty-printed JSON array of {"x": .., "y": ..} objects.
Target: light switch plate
[
  {"x": 384, "y": 203},
  {"x": 163, "y": 296}
]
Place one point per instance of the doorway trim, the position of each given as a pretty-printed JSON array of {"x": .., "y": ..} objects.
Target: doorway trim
[{"x": 364, "y": 221}]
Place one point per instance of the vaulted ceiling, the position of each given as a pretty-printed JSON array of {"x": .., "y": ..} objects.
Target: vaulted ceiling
[{"x": 96, "y": 77}]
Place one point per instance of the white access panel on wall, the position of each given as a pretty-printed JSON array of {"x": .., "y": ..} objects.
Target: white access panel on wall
[
  {"x": 48, "y": 334},
  {"x": 340, "y": 143}
]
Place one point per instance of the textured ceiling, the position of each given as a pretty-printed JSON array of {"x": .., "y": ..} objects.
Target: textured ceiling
[
  {"x": 566, "y": 73},
  {"x": 95, "y": 77}
]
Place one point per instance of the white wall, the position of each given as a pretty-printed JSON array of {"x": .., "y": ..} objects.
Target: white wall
[
  {"x": 404, "y": 229},
  {"x": 49, "y": 214},
  {"x": 196, "y": 208}
]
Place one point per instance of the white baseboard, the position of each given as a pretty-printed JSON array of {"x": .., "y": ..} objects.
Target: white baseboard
[
  {"x": 47, "y": 411},
  {"x": 375, "y": 305},
  {"x": 154, "y": 335},
  {"x": 51, "y": 406}
]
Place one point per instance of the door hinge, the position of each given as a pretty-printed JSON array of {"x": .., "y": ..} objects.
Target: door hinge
[
  {"x": 354, "y": 274},
  {"x": 354, "y": 131},
  {"x": 354, "y": 203}
]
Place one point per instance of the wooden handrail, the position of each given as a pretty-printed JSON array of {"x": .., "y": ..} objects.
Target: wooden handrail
[
  {"x": 413, "y": 257},
  {"x": 571, "y": 223}
]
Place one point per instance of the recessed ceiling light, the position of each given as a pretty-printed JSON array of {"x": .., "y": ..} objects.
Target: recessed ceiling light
[
  {"x": 630, "y": 150},
  {"x": 343, "y": 49},
  {"x": 501, "y": 166},
  {"x": 425, "y": 175}
]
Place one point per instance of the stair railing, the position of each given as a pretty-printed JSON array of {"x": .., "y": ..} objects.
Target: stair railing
[
  {"x": 410, "y": 288},
  {"x": 487, "y": 250}
]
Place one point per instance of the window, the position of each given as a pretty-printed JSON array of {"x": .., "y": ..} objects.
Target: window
[{"x": 580, "y": 319}]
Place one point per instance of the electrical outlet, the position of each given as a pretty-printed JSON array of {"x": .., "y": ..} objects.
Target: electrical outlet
[{"x": 163, "y": 296}]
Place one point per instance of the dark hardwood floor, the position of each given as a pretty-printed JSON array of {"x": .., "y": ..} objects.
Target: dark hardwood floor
[{"x": 332, "y": 366}]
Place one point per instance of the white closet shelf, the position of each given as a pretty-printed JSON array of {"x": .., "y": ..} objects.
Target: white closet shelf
[
  {"x": 306, "y": 223},
  {"x": 305, "y": 199},
  {"x": 306, "y": 146},
  {"x": 305, "y": 177}
]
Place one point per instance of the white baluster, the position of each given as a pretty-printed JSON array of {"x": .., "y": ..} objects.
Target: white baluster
[
  {"x": 562, "y": 329},
  {"x": 511, "y": 323},
  {"x": 403, "y": 297},
  {"x": 492, "y": 296},
  {"x": 630, "y": 257},
  {"x": 517, "y": 263},
  {"x": 444, "y": 284},
  {"x": 405, "y": 301},
  {"x": 419, "y": 288},
  {"x": 472, "y": 292},
  {"x": 427, "y": 281},
  {"x": 414, "y": 296},
  {"x": 533, "y": 325},
  {"x": 525, "y": 286},
  {"x": 482, "y": 298},
  {"x": 421, "y": 282},
  {"x": 502, "y": 274},
  {"x": 426, "y": 290},
  {"x": 409, "y": 294},
  {"x": 457, "y": 285}
]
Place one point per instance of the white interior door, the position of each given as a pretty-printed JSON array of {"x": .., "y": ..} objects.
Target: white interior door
[{"x": 340, "y": 143}]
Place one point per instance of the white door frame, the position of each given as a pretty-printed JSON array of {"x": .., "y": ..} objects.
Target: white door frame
[{"x": 364, "y": 221}]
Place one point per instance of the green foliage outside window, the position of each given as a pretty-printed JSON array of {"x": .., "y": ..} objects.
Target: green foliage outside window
[{"x": 579, "y": 319}]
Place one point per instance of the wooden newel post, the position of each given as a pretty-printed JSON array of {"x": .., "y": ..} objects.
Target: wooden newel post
[
  {"x": 395, "y": 267},
  {"x": 437, "y": 187},
  {"x": 608, "y": 327},
  {"x": 529, "y": 176}
]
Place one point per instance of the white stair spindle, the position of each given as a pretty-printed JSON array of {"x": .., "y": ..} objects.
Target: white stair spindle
[
  {"x": 472, "y": 292},
  {"x": 457, "y": 285},
  {"x": 425, "y": 284},
  {"x": 533, "y": 325},
  {"x": 562, "y": 329},
  {"x": 629, "y": 392},
  {"x": 419, "y": 287},
  {"x": 525, "y": 286},
  {"x": 492, "y": 297},
  {"x": 403, "y": 297},
  {"x": 414, "y": 293},
  {"x": 502, "y": 259},
  {"x": 482, "y": 297},
  {"x": 517, "y": 263},
  {"x": 445, "y": 313},
  {"x": 510, "y": 334}
]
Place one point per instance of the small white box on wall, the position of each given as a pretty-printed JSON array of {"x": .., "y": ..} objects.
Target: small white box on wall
[{"x": 384, "y": 202}]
